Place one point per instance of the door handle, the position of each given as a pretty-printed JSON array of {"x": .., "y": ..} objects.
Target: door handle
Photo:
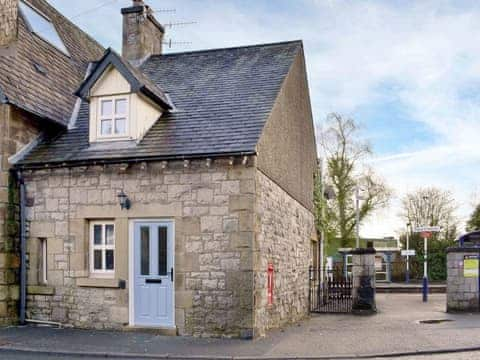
[
  {"x": 153, "y": 281},
  {"x": 171, "y": 274}
]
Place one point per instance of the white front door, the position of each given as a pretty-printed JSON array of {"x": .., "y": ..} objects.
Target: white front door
[{"x": 153, "y": 273}]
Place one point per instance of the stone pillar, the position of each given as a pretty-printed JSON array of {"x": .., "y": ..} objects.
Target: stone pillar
[
  {"x": 463, "y": 279},
  {"x": 363, "y": 271}
]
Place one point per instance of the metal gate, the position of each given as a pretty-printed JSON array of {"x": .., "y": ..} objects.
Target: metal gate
[{"x": 332, "y": 294}]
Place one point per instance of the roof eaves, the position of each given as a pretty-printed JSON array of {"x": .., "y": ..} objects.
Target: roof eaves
[
  {"x": 150, "y": 94},
  {"x": 25, "y": 165},
  {"x": 37, "y": 114}
]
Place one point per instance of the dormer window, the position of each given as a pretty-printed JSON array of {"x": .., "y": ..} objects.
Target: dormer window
[
  {"x": 113, "y": 116},
  {"x": 123, "y": 103}
]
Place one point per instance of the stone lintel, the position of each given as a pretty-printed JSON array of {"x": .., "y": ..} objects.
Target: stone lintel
[{"x": 98, "y": 283}]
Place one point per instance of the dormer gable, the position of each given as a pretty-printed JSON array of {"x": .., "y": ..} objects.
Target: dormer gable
[{"x": 124, "y": 104}]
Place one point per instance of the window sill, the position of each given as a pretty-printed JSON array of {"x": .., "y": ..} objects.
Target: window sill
[
  {"x": 40, "y": 290},
  {"x": 99, "y": 283}
]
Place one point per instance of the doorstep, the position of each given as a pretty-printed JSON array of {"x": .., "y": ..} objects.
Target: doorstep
[{"x": 164, "y": 331}]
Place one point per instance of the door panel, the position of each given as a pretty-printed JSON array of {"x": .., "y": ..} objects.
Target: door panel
[{"x": 153, "y": 285}]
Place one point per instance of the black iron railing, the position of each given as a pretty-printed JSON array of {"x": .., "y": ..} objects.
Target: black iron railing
[{"x": 330, "y": 291}]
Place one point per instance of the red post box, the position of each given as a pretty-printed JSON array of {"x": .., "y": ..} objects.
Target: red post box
[{"x": 270, "y": 284}]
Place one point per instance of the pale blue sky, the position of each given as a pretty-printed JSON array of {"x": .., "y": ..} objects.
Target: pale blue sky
[{"x": 408, "y": 71}]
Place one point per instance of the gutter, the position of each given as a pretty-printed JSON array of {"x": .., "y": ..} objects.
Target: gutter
[
  {"x": 70, "y": 164},
  {"x": 23, "y": 250}
]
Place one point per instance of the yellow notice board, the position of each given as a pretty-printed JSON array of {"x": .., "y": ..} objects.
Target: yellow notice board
[{"x": 470, "y": 266}]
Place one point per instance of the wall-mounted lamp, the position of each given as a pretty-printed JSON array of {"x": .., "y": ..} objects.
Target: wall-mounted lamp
[{"x": 124, "y": 200}]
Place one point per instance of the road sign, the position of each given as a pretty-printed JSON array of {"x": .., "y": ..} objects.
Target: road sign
[
  {"x": 426, "y": 234},
  {"x": 420, "y": 229},
  {"x": 410, "y": 252}
]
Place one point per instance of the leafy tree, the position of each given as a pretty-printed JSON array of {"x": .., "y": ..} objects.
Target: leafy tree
[
  {"x": 430, "y": 206},
  {"x": 323, "y": 217},
  {"x": 345, "y": 153},
  {"x": 474, "y": 222}
]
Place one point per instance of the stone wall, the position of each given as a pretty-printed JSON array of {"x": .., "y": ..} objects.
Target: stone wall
[
  {"x": 462, "y": 292},
  {"x": 16, "y": 130},
  {"x": 283, "y": 236},
  {"x": 287, "y": 150},
  {"x": 214, "y": 230},
  {"x": 8, "y": 22}
]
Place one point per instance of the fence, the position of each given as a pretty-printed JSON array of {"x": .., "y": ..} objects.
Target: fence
[{"x": 330, "y": 293}]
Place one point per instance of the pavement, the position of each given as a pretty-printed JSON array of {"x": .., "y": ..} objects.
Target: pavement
[{"x": 396, "y": 330}]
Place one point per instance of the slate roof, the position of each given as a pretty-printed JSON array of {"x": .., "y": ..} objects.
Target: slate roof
[
  {"x": 223, "y": 98},
  {"x": 51, "y": 95},
  {"x": 137, "y": 80}
]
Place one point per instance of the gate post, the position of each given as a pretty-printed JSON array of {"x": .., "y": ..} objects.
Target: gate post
[
  {"x": 463, "y": 280},
  {"x": 363, "y": 270}
]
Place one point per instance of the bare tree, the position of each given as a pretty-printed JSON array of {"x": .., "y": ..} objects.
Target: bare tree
[
  {"x": 345, "y": 152},
  {"x": 431, "y": 206}
]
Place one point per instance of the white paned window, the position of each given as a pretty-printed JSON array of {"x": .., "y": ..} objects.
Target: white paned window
[
  {"x": 41, "y": 25},
  {"x": 113, "y": 116},
  {"x": 102, "y": 248}
]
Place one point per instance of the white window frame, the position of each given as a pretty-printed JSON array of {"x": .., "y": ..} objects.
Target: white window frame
[
  {"x": 103, "y": 247},
  {"x": 113, "y": 117}
]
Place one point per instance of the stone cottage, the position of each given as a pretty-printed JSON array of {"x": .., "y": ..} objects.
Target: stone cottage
[{"x": 177, "y": 192}]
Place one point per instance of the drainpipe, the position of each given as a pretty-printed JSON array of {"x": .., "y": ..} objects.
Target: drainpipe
[{"x": 23, "y": 250}]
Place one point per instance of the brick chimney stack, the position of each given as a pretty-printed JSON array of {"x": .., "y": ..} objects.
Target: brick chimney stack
[
  {"x": 142, "y": 33},
  {"x": 8, "y": 25}
]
